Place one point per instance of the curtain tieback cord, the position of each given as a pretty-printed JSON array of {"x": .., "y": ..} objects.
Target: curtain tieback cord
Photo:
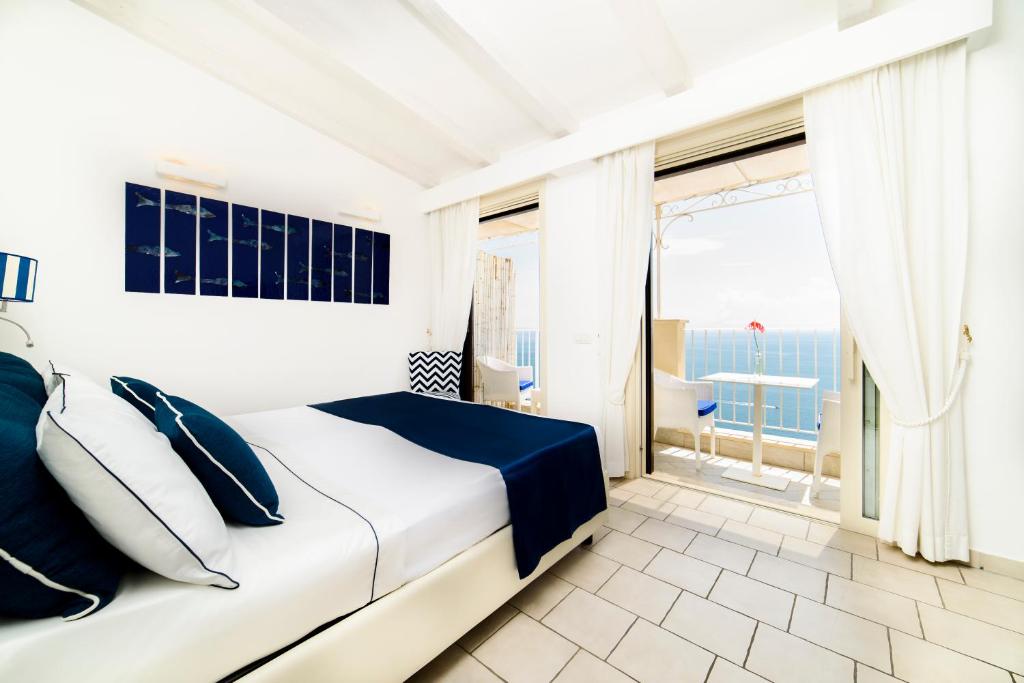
[{"x": 961, "y": 370}]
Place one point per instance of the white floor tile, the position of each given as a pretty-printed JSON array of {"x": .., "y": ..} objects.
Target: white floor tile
[
  {"x": 537, "y": 599},
  {"x": 601, "y": 532},
  {"x": 974, "y": 638},
  {"x": 617, "y": 496},
  {"x": 865, "y": 674},
  {"x": 779, "y": 522},
  {"x": 639, "y": 593},
  {"x": 586, "y": 668},
  {"x": 454, "y": 665},
  {"x": 875, "y": 604},
  {"x": 592, "y": 623},
  {"x": 859, "y": 639},
  {"x": 834, "y": 537},
  {"x": 783, "y": 658},
  {"x": 918, "y": 661},
  {"x": 713, "y": 627},
  {"x": 653, "y": 655},
  {"x": 725, "y": 671},
  {"x": 623, "y": 520},
  {"x": 585, "y": 569},
  {"x": 983, "y": 605},
  {"x": 789, "y": 576},
  {"x": 627, "y": 550},
  {"x": 753, "y": 598},
  {"x": 697, "y": 520},
  {"x": 816, "y": 555},
  {"x": 727, "y": 507},
  {"x": 684, "y": 572},
  {"x": 503, "y": 653},
  {"x": 723, "y": 553},
  {"x": 994, "y": 583},
  {"x": 667, "y": 492},
  {"x": 486, "y": 628},
  {"x": 688, "y": 498},
  {"x": 896, "y": 579},
  {"x": 645, "y": 487},
  {"x": 751, "y": 536},
  {"x": 893, "y": 555},
  {"x": 648, "y": 506},
  {"x": 664, "y": 534}
]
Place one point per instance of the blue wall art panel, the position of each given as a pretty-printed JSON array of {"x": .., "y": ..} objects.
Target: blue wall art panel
[
  {"x": 272, "y": 234},
  {"x": 320, "y": 261},
  {"x": 363, "y": 260},
  {"x": 213, "y": 247},
  {"x": 298, "y": 258},
  {"x": 141, "y": 238},
  {"x": 381, "y": 268},
  {"x": 179, "y": 243},
  {"x": 245, "y": 251},
  {"x": 342, "y": 263}
]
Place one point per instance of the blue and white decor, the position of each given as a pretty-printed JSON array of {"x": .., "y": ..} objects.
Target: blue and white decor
[
  {"x": 213, "y": 248},
  {"x": 18, "y": 277}
]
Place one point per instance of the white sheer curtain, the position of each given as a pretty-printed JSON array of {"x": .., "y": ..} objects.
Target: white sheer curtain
[
  {"x": 888, "y": 158},
  {"x": 625, "y": 219},
  {"x": 453, "y": 233}
]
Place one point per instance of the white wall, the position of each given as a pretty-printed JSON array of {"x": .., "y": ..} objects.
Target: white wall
[
  {"x": 87, "y": 106},
  {"x": 993, "y": 398}
]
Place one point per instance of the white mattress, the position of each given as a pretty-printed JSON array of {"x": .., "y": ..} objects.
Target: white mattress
[{"x": 425, "y": 508}]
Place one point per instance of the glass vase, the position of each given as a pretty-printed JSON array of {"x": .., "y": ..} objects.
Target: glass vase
[{"x": 758, "y": 363}]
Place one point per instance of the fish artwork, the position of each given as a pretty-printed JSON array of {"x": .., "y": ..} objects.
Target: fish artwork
[
  {"x": 280, "y": 228},
  {"x": 214, "y": 237},
  {"x": 149, "y": 250},
  {"x": 182, "y": 208},
  {"x": 279, "y": 279},
  {"x": 219, "y": 281},
  {"x": 248, "y": 222},
  {"x": 305, "y": 269}
]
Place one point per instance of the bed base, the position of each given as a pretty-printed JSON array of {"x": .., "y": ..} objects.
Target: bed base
[{"x": 392, "y": 638}]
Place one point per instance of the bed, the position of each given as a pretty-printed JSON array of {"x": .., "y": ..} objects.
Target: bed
[{"x": 390, "y": 552}]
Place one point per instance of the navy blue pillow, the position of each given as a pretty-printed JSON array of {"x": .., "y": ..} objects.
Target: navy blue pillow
[
  {"x": 52, "y": 562},
  {"x": 19, "y": 373},
  {"x": 222, "y": 461},
  {"x": 142, "y": 395}
]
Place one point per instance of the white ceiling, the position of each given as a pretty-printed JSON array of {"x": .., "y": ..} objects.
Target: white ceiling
[{"x": 437, "y": 88}]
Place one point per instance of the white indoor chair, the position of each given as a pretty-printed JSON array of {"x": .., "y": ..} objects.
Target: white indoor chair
[
  {"x": 503, "y": 382},
  {"x": 828, "y": 435},
  {"x": 689, "y": 406}
]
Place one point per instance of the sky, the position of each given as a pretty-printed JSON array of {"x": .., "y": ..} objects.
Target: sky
[{"x": 762, "y": 261}]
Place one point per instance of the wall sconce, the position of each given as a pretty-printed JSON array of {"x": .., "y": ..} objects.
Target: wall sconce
[
  {"x": 17, "y": 283},
  {"x": 175, "y": 170}
]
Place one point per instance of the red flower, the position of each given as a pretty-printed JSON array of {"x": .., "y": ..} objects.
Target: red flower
[{"x": 755, "y": 326}]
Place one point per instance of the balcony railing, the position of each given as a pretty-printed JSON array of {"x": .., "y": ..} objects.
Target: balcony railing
[
  {"x": 526, "y": 351},
  {"x": 800, "y": 353}
]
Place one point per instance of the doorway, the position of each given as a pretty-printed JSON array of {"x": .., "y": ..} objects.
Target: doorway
[{"x": 745, "y": 315}]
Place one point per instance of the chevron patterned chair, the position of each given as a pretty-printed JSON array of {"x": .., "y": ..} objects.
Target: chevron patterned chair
[{"x": 435, "y": 372}]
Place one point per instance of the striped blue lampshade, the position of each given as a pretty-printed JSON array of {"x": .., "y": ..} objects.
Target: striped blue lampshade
[{"x": 17, "y": 277}]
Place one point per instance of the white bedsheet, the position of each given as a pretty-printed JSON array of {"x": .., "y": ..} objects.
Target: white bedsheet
[{"x": 425, "y": 508}]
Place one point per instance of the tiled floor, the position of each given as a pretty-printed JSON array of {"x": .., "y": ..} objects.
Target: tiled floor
[
  {"x": 678, "y": 466},
  {"x": 687, "y": 586}
]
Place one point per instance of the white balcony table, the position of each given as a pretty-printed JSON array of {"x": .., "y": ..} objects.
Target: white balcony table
[{"x": 759, "y": 382}]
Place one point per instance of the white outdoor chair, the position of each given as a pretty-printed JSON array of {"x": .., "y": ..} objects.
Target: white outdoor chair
[
  {"x": 828, "y": 435},
  {"x": 690, "y": 406},
  {"x": 503, "y": 382}
]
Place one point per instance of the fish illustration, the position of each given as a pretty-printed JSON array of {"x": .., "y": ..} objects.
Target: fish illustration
[
  {"x": 214, "y": 237},
  {"x": 149, "y": 250},
  {"x": 278, "y": 280},
  {"x": 180, "y": 277},
  {"x": 223, "y": 282},
  {"x": 362, "y": 257},
  {"x": 248, "y": 222},
  {"x": 281, "y": 229},
  {"x": 182, "y": 208},
  {"x": 341, "y": 273},
  {"x": 304, "y": 268}
]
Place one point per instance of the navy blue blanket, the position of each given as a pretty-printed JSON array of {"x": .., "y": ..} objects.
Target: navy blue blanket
[{"x": 552, "y": 468}]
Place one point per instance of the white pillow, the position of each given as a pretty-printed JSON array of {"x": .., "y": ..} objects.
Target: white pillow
[{"x": 131, "y": 485}]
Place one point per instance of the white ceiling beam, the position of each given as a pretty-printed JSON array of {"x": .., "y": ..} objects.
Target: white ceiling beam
[
  {"x": 775, "y": 75},
  {"x": 308, "y": 22},
  {"x": 270, "y": 61},
  {"x": 505, "y": 76},
  {"x": 648, "y": 34}
]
